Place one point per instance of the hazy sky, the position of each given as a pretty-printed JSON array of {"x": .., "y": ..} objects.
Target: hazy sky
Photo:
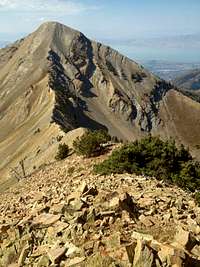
[{"x": 102, "y": 19}]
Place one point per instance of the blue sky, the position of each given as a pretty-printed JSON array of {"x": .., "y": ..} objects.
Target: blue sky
[{"x": 110, "y": 20}]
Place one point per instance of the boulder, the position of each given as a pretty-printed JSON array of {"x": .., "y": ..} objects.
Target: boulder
[
  {"x": 74, "y": 262},
  {"x": 141, "y": 236},
  {"x": 126, "y": 202},
  {"x": 71, "y": 250},
  {"x": 170, "y": 255},
  {"x": 82, "y": 188},
  {"x": 146, "y": 220},
  {"x": 45, "y": 220},
  {"x": 184, "y": 239},
  {"x": 43, "y": 261},
  {"x": 55, "y": 254},
  {"x": 58, "y": 208},
  {"x": 196, "y": 251},
  {"x": 143, "y": 255}
]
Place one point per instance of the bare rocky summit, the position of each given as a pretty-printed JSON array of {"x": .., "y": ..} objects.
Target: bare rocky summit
[
  {"x": 57, "y": 80},
  {"x": 63, "y": 215}
]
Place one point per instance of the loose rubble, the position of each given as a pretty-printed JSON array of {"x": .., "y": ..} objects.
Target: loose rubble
[{"x": 54, "y": 218}]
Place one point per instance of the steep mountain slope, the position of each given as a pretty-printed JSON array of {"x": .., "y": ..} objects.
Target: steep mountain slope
[{"x": 56, "y": 79}]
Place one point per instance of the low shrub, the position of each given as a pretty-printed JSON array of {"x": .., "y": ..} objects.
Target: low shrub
[
  {"x": 189, "y": 176},
  {"x": 156, "y": 158},
  {"x": 63, "y": 152},
  {"x": 90, "y": 143},
  {"x": 197, "y": 198}
]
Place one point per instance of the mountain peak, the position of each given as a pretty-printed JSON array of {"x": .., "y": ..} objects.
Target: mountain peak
[
  {"x": 51, "y": 26},
  {"x": 54, "y": 34}
]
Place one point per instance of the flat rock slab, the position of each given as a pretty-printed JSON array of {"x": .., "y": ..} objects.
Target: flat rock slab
[
  {"x": 45, "y": 220},
  {"x": 56, "y": 253},
  {"x": 74, "y": 262}
]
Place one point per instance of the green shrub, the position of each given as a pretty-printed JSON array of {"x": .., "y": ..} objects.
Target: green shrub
[
  {"x": 156, "y": 158},
  {"x": 90, "y": 144},
  {"x": 63, "y": 152},
  {"x": 189, "y": 176},
  {"x": 197, "y": 198}
]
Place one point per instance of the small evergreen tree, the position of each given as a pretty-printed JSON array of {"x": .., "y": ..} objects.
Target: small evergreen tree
[
  {"x": 155, "y": 158},
  {"x": 90, "y": 143},
  {"x": 63, "y": 152}
]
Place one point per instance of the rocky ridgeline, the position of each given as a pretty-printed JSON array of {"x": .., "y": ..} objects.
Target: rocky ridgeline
[{"x": 63, "y": 215}]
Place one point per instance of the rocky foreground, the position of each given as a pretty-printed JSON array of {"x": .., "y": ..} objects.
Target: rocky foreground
[{"x": 63, "y": 215}]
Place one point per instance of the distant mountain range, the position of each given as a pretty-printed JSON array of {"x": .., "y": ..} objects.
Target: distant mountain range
[
  {"x": 190, "y": 80},
  {"x": 186, "y": 76},
  {"x": 170, "y": 70},
  {"x": 181, "y": 48},
  {"x": 176, "y": 41}
]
